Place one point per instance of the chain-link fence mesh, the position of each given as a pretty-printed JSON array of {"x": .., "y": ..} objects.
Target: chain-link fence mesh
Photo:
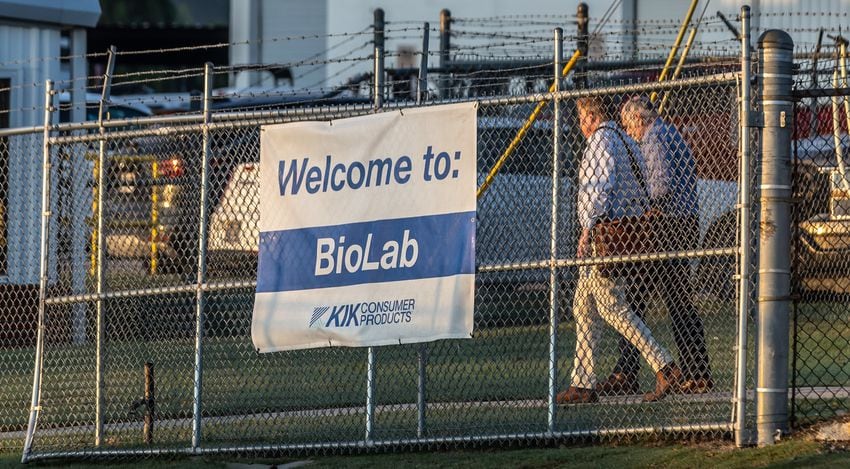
[
  {"x": 123, "y": 370},
  {"x": 128, "y": 314},
  {"x": 821, "y": 237},
  {"x": 20, "y": 205}
]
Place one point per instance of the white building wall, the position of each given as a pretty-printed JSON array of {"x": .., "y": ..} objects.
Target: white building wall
[
  {"x": 335, "y": 17},
  {"x": 800, "y": 18},
  {"x": 266, "y": 24},
  {"x": 355, "y": 15},
  {"x": 29, "y": 56},
  {"x": 658, "y": 22}
]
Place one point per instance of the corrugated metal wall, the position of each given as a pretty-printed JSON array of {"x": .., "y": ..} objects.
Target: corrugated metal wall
[{"x": 29, "y": 55}]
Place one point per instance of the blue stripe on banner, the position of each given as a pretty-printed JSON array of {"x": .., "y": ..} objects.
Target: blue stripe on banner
[{"x": 368, "y": 252}]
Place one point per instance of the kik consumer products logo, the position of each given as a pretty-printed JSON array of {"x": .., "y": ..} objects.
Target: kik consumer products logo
[
  {"x": 364, "y": 313},
  {"x": 318, "y": 313}
]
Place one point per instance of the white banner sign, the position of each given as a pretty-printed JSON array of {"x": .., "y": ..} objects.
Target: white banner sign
[{"x": 367, "y": 230}]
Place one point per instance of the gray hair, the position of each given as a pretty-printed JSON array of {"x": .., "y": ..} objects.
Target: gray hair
[{"x": 642, "y": 107}]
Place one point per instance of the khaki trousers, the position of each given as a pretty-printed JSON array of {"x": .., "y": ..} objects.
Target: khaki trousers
[{"x": 597, "y": 296}]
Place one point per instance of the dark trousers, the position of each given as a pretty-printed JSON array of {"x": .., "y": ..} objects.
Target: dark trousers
[{"x": 671, "y": 278}]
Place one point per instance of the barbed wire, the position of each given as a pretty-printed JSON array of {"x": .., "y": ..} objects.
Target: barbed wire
[
  {"x": 319, "y": 66},
  {"x": 237, "y": 43},
  {"x": 516, "y": 38},
  {"x": 51, "y": 59}
]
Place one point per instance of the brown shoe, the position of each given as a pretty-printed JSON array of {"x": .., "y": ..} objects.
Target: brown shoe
[
  {"x": 618, "y": 384},
  {"x": 574, "y": 395},
  {"x": 696, "y": 386},
  {"x": 667, "y": 380}
]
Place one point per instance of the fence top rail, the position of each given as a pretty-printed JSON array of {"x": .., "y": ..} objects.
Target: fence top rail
[
  {"x": 21, "y": 131},
  {"x": 237, "y": 119}
]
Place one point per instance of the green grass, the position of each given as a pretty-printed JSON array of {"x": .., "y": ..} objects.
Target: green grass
[
  {"x": 500, "y": 363},
  {"x": 786, "y": 454}
]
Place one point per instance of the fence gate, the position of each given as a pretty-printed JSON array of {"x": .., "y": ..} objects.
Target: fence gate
[{"x": 821, "y": 237}]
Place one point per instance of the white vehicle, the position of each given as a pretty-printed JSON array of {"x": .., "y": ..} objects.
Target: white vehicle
[
  {"x": 119, "y": 108},
  {"x": 513, "y": 221},
  {"x": 234, "y": 233}
]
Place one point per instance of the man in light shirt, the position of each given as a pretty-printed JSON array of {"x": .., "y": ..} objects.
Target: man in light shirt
[
  {"x": 609, "y": 189},
  {"x": 671, "y": 183}
]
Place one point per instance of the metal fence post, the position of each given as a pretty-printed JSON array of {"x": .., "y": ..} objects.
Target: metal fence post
[
  {"x": 35, "y": 406},
  {"x": 370, "y": 358},
  {"x": 378, "y": 28},
  {"x": 422, "y": 87},
  {"x": 776, "y": 62},
  {"x": 80, "y": 188},
  {"x": 101, "y": 245},
  {"x": 422, "y": 354},
  {"x": 744, "y": 257},
  {"x": 202, "y": 262},
  {"x": 582, "y": 45},
  {"x": 445, "y": 46},
  {"x": 553, "y": 247}
]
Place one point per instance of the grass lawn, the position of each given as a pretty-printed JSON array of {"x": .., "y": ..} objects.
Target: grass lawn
[
  {"x": 506, "y": 362},
  {"x": 793, "y": 453}
]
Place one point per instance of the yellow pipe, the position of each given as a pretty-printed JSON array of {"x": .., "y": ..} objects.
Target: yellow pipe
[
  {"x": 679, "y": 66},
  {"x": 676, "y": 43},
  {"x": 524, "y": 129},
  {"x": 94, "y": 233},
  {"x": 154, "y": 215}
]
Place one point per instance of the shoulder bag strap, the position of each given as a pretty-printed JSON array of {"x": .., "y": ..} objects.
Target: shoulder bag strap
[{"x": 636, "y": 172}]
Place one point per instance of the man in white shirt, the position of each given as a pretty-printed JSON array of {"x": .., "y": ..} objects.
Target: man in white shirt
[{"x": 609, "y": 189}]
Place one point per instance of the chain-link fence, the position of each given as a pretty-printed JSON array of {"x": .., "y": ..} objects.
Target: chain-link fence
[
  {"x": 131, "y": 277},
  {"x": 143, "y": 353},
  {"x": 821, "y": 236},
  {"x": 19, "y": 264}
]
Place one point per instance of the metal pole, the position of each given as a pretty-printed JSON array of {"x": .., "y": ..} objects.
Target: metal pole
[
  {"x": 378, "y": 27},
  {"x": 378, "y": 32},
  {"x": 582, "y": 44},
  {"x": 553, "y": 252},
  {"x": 681, "y": 64},
  {"x": 445, "y": 36},
  {"x": 378, "y": 81},
  {"x": 35, "y": 405},
  {"x": 523, "y": 130},
  {"x": 813, "y": 105},
  {"x": 154, "y": 233},
  {"x": 422, "y": 354},
  {"x": 370, "y": 392},
  {"x": 200, "y": 298},
  {"x": 836, "y": 126},
  {"x": 421, "y": 396},
  {"x": 422, "y": 88},
  {"x": 101, "y": 245},
  {"x": 676, "y": 43},
  {"x": 370, "y": 355},
  {"x": 732, "y": 29},
  {"x": 150, "y": 403},
  {"x": 445, "y": 46},
  {"x": 842, "y": 47},
  {"x": 744, "y": 257},
  {"x": 774, "y": 289}
]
